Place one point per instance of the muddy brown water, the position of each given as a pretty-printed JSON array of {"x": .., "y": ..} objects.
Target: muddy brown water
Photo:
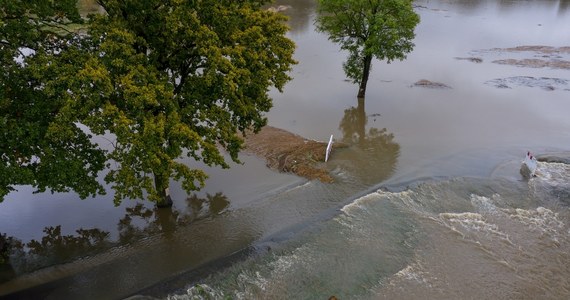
[{"x": 466, "y": 227}]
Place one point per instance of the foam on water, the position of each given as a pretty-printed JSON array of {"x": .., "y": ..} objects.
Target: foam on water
[
  {"x": 553, "y": 173},
  {"x": 485, "y": 204},
  {"x": 505, "y": 233},
  {"x": 483, "y": 237},
  {"x": 199, "y": 292},
  {"x": 541, "y": 221},
  {"x": 552, "y": 183},
  {"x": 413, "y": 272},
  {"x": 359, "y": 205},
  {"x": 346, "y": 256},
  {"x": 469, "y": 224}
]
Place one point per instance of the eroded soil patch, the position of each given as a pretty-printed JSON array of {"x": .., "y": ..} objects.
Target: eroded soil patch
[{"x": 291, "y": 153}]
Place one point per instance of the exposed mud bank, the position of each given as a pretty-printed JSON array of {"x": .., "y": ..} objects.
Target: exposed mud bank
[
  {"x": 530, "y": 56},
  {"x": 533, "y": 56},
  {"x": 477, "y": 60},
  {"x": 291, "y": 153},
  {"x": 536, "y": 48},
  {"x": 535, "y": 63},
  {"x": 545, "y": 83}
]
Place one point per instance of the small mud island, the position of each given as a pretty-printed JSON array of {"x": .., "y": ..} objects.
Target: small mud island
[
  {"x": 476, "y": 60},
  {"x": 545, "y": 83},
  {"x": 536, "y": 56},
  {"x": 287, "y": 152},
  {"x": 533, "y": 56},
  {"x": 430, "y": 84},
  {"x": 535, "y": 63}
]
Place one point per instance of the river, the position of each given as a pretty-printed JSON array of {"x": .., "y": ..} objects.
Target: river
[{"x": 427, "y": 202}]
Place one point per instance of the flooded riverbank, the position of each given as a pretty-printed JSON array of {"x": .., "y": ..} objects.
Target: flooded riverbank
[{"x": 444, "y": 238}]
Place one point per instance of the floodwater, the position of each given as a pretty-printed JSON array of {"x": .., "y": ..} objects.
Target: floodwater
[{"x": 427, "y": 202}]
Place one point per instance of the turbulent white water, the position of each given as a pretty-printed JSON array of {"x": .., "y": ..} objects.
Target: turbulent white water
[{"x": 476, "y": 238}]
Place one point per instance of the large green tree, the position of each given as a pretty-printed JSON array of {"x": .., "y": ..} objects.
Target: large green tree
[
  {"x": 34, "y": 150},
  {"x": 367, "y": 29},
  {"x": 163, "y": 79}
]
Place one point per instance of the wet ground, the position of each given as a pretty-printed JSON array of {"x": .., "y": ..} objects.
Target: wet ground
[{"x": 287, "y": 152}]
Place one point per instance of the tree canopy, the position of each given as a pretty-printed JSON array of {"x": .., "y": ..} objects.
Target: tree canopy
[
  {"x": 164, "y": 79},
  {"x": 33, "y": 49},
  {"x": 381, "y": 29}
]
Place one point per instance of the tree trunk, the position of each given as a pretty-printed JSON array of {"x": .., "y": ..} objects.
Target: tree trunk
[
  {"x": 361, "y": 121},
  {"x": 161, "y": 183},
  {"x": 166, "y": 219},
  {"x": 365, "y": 74}
]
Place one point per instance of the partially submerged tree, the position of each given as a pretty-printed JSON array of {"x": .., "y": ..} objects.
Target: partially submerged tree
[
  {"x": 165, "y": 79},
  {"x": 367, "y": 29}
]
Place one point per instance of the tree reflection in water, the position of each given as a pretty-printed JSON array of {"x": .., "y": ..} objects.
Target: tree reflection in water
[
  {"x": 216, "y": 204},
  {"x": 56, "y": 248},
  {"x": 563, "y": 6},
  {"x": 6, "y": 269},
  {"x": 139, "y": 222},
  {"x": 373, "y": 154}
]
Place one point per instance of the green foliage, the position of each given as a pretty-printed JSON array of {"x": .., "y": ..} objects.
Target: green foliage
[
  {"x": 165, "y": 79},
  {"x": 37, "y": 148},
  {"x": 381, "y": 29}
]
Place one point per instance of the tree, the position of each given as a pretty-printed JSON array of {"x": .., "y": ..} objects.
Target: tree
[
  {"x": 166, "y": 79},
  {"x": 34, "y": 148},
  {"x": 382, "y": 29}
]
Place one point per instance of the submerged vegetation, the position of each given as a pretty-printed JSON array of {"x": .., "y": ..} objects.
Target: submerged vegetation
[{"x": 288, "y": 152}]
